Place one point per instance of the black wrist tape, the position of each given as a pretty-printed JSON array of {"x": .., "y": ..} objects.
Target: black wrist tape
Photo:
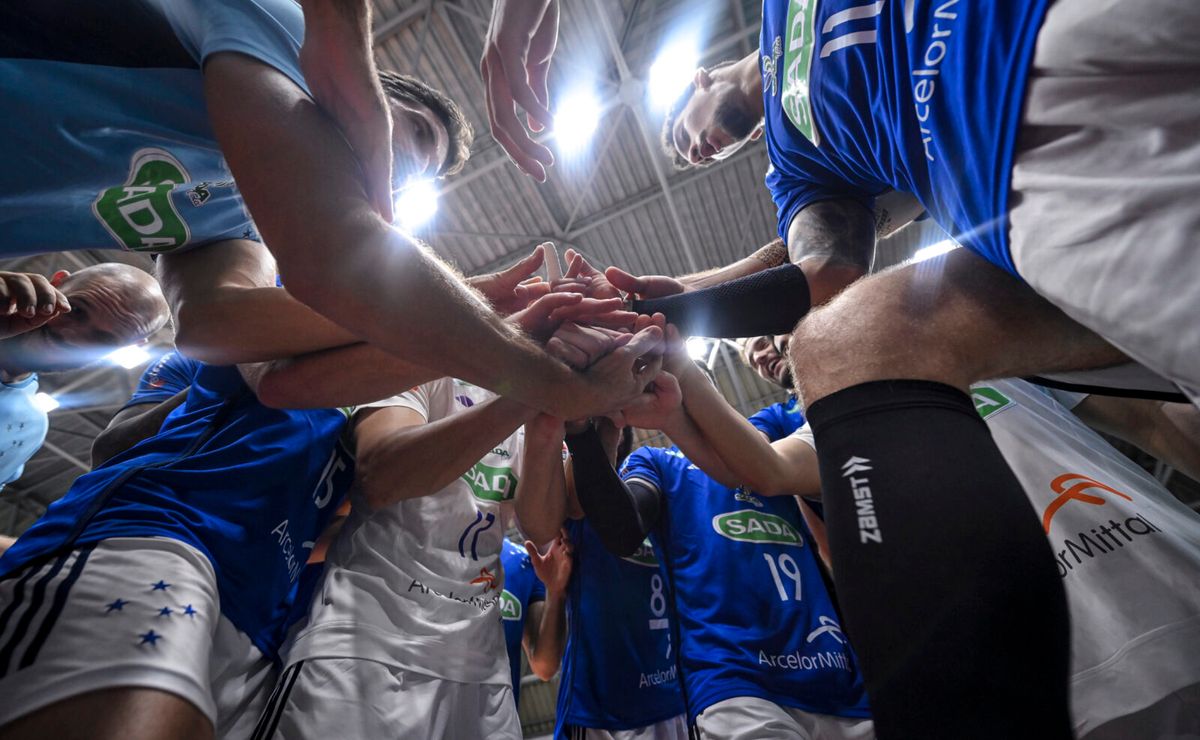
[
  {"x": 622, "y": 515},
  {"x": 767, "y": 302}
]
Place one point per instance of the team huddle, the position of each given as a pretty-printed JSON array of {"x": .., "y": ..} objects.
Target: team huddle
[{"x": 364, "y": 489}]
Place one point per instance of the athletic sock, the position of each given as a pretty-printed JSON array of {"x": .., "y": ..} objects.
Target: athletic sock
[{"x": 953, "y": 604}]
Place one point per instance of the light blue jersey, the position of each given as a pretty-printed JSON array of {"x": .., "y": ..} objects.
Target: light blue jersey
[
  {"x": 250, "y": 487},
  {"x": 755, "y": 618},
  {"x": 619, "y": 670},
  {"x": 105, "y": 136},
  {"x": 521, "y": 588},
  {"x": 920, "y": 96},
  {"x": 23, "y": 427}
]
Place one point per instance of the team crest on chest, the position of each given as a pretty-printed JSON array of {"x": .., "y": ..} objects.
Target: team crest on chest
[{"x": 770, "y": 67}]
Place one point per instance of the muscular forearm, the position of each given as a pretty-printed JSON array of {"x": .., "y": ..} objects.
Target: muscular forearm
[
  {"x": 545, "y": 655},
  {"x": 751, "y": 459},
  {"x": 421, "y": 460},
  {"x": 833, "y": 242},
  {"x": 345, "y": 376},
  {"x": 770, "y": 255},
  {"x": 541, "y": 504},
  {"x": 682, "y": 430},
  {"x": 236, "y": 325}
]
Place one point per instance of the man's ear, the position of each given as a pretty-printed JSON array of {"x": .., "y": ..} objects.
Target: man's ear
[
  {"x": 757, "y": 133},
  {"x": 57, "y": 278},
  {"x": 702, "y": 79}
]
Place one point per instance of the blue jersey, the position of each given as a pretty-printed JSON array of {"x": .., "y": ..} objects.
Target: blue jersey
[
  {"x": 921, "y": 96},
  {"x": 619, "y": 670},
  {"x": 106, "y": 139},
  {"x": 23, "y": 427},
  {"x": 248, "y": 486},
  {"x": 166, "y": 377},
  {"x": 755, "y": 617},
  {"x": 521, "y": 588},
  {"x": 779, "y": 419}
]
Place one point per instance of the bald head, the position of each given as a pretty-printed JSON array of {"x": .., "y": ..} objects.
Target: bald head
[
  {"x": 112, "y": 305},
  {"x": 135, "y": 291}
]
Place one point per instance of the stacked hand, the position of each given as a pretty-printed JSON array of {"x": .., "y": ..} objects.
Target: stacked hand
[
  {"x": 554, "y": 568},
  {"x": 27, "y": 301}
]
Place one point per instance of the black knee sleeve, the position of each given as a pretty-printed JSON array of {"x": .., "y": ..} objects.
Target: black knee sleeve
[{"x": 947, "y": 582}]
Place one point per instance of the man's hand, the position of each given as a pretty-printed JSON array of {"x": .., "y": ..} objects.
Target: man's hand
[
  {"x": 580, "y": 346},
  {"x": 28, "y": 300},
  {"x": 657, "y": 408},
  {"x": 554, "y": 568},
  {"x": 578, "y": 268},
  {"x": 548, "y": 313},
  {"x": 646, "y": 286},
  {"x": 618, "y": 378},
  {"x": 339, "y": 67},
  {"x": 514, "y": 288},
  {"x": 516, "y": 61}
]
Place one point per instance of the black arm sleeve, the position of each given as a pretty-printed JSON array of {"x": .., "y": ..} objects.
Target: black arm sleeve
[
  {"x": 767, "y": 302},
  {"x": 622, "y": 514}
]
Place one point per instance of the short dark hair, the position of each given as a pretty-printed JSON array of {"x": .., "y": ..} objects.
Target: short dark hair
[
  {"x": 668, "y": 139},
  {"x": 458, "y": 128}
]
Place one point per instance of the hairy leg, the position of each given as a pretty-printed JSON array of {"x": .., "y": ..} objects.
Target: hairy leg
[
  {"x": 114, "y": 714},
  {"x": 955, "y": 319},
  {"x": 948, "y": 586}
]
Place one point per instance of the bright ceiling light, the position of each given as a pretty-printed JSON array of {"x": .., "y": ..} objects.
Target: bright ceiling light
[
  {"x": 576, "y": 120},
  {"x": 129, "y": 356},
  {"x": 45, "y": 402},
  {"x": 416, "y": 205},
  {"x": 697, "y": 348},
  {"x": 933, "y": 250},
  {"x": 671, "y": 72}
]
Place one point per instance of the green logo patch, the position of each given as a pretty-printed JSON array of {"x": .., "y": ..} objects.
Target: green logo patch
[
  {"x": 491, "y": 484},
  {"x": 644, "y": 555},
  {"x": 989, "y": 400},
  {"x": 510, "y": 606},
  {"x": 800, "y": 40},
  {"x": 140, "y": 214},
  {"x": 758, "y": 527}
]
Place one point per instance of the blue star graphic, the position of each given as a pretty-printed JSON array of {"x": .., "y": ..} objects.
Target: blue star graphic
[
  {"x": 150, "y": 637},
  {"x": 165, "y": 611},
  {"x": 116, "y": 606},
  {"x": 189, "y": 611},
  {"x": 161, "y": 586}
]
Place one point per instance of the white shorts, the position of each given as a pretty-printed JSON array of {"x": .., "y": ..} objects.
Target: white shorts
[
  {"x": 356, "y": 699},
  {"x": 127, "y": 612},
  {"x": 1106, "y": 178},
  {"x": 674, "y": 728},
  {"x": 751, "y": 718}
]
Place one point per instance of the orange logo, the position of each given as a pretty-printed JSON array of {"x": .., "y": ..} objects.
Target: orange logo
[
  {"x": 1071, "y": 487},
  {"x": 485, "y": 578}
]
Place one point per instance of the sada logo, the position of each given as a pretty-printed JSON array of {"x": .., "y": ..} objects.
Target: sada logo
[
  {"x": 510, "y": 606},
  {"x": 140, "y": 214},
  {"x": 758, "y": 527}
]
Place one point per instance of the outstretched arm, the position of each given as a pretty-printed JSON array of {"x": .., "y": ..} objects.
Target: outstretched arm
[
  {"x": 401, "y": 456},
  {"x": 545, "y": 637},
  {"x": 541, "y": 504},
  {"x": 227, "y": 309},
  {"x": 341, "y": 259}
]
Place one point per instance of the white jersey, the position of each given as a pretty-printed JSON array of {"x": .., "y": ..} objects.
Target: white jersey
[
  {"x": 1127, "y": 550},
  {"x": 417, "y": 585}
]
